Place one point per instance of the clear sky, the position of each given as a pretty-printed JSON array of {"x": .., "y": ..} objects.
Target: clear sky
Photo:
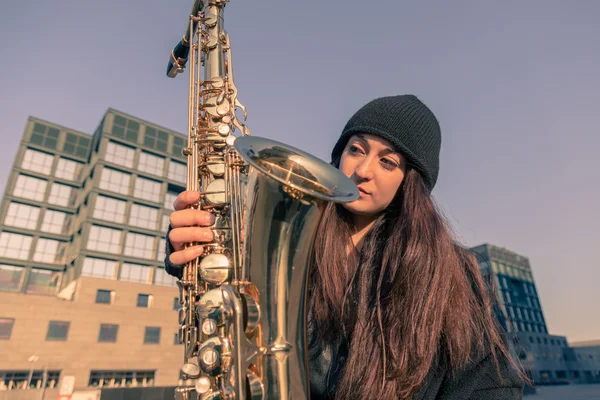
[{"x": 515, "y": 86}]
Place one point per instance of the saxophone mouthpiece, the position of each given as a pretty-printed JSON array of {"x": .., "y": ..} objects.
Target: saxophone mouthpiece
[{"x": 178, "y": 59}]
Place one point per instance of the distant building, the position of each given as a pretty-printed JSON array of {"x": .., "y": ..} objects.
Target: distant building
[
  {"x": 547, "y": 358},
  {"x": 83, "y": 291}
]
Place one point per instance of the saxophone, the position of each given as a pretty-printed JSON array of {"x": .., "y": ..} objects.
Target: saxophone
[{"x": 243, "y": 301}]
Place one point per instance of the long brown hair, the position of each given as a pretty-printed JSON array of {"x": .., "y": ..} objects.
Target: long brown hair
[{"x": 407, "y": 296}]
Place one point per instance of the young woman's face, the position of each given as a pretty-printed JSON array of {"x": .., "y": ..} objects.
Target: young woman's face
[{"x": 376, "y": 168}]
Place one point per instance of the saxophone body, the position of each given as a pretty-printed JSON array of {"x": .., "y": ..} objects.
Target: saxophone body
[{"x": 242, "y": 320}]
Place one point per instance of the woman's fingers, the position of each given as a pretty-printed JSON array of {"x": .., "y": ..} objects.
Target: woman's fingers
[
  {"x": 183, "y": 256},
  {"x": 180, "y": 236},
  {"x": 191, "y": 217},
  {"x": 185, "y": 199}
]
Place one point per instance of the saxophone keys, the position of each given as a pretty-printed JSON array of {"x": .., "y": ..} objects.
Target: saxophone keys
[
  {"x": 215, "y": 192},
  {"x": 203, "y": 385},
  {"x": 223, "y": 108},
  {"x": 256, "y": 386},
  {"x": 191, "y": 370},
  {"x": 215, "y": 268},
  {"x": 210, "y": 356}
]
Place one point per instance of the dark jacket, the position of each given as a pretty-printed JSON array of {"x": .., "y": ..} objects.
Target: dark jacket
[{"x": 479, "y": 381}]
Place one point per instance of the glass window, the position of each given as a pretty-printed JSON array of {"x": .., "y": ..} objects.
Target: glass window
[
  {"x": 77, "y": 145},
  {"x": 54, "y": 222},
  {"x": 14, "y": 245},
  {"x": 28, "y": 187},
  {"x": 68, "y": 169},
  {"x": 156, "y": 139},
  {"x": 147, "y": 189},
  {"x": 119, "y": 154},
  {"x": 170, "y": 200},
  {"x": 143, "y": 300},
  {"x": 108, "y": 333},
  {"x": 43, "y": 281},
  {"x": 37, "y": 161},
  {"x": 104, "y": 239},
  {"x": 113, "y": 379},
  {"x": 134, "y": 273},
  {"x": 104, "y": 296},
  {"x": 176, "y": 305},
  {"x": 6, "y": 326},
  {"x": 165, "y": 223},
  {"x": 162, "y": 278},
  {"x": 99, "y": 268},
  {"x": 143, "y": 216},
  {"x": 151, "y": 164},
  {"x": 46, "y": 250},
  {"x": 22, "y": 216},
  {"x": 44, "y": 136},
  {"x": 60, "y": 195},
  {"x": 58, "y": 330},
  {"x": 177, "y": 172},
  {"x": 10, "y": 277},
  {"x": 115, "y": 181},
  {"x": 138, "y": 245},
  {"x": 125, "y": 128},
  {"x": 178, "y": 143},
  {"x": 152, "y": 335},
  {"x": 110, "y": 209},
  {"x": 161, "y": 253}
]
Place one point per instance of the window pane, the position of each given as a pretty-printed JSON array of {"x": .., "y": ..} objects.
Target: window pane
[
  {"x": 143, "y": 216},
  {"x": 46, "y": 251},
  {"x": 10, "y": 277},
  {"x": 110, "y": 209},
  {"x": 162, "y": 278},
  {"x": 60, "y": 194},
  {"x": 22, "y": 216},
  {"x": 143, "y": 300},
  {"x": 119, "y": 154},
  {"x": 58, "y": 330},
  {"x": 14, "y": 245},
  {"x": 151, "y": 164},
  {"x": 138, "y": 245},
  {"x": 103, "y": 296},
  {"x": 147, "y": 189},
  {"x": 42, "y": 281},
  {"x": 104, "y": 239},
  {"x": 152, "y": 335},
  {"x": 108, "y": 333},
  {"x": 54, "y": 222},
  {"x": 6, "y": 326},
  {"x": 67, "y": 169},
  {"x": 99, "y": 268},
  {"x": 37, "y": 161},
  {"x": 114, "y": 181},
  {"x": 177, "y": 172},
  {"x": 134, "y": 273},
  {"x": 28, "y": 187}
]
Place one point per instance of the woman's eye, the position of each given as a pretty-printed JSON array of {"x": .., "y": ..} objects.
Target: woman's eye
[
  {"x": 353, "y": 149},
  {"x": 390, "y": 164}
]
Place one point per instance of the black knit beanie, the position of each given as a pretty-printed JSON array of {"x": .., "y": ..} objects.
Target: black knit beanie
[{"x": 408, "y": 124}]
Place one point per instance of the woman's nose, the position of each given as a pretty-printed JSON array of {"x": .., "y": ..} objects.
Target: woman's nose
[{"x": 364, "y": 169}]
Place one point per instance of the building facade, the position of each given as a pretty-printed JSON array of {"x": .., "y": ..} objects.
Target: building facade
[
  {"x": 83, "y": 291},
  {"x": 547, "y": 358}
]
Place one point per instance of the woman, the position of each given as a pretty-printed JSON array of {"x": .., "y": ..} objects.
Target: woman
[{"x": 398, "y": 310}]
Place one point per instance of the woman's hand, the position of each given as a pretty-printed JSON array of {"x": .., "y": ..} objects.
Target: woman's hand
[{"x": 188, "y": 226}]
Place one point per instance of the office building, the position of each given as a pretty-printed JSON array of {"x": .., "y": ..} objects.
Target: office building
[
  {"x": 83, "y": 291},
  {"x": 547, "y": 358}
]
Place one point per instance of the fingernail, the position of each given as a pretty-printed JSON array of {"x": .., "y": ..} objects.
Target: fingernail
[
  {"x": 211, "y": 218},
  {"x": 198, "y": 251}
]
